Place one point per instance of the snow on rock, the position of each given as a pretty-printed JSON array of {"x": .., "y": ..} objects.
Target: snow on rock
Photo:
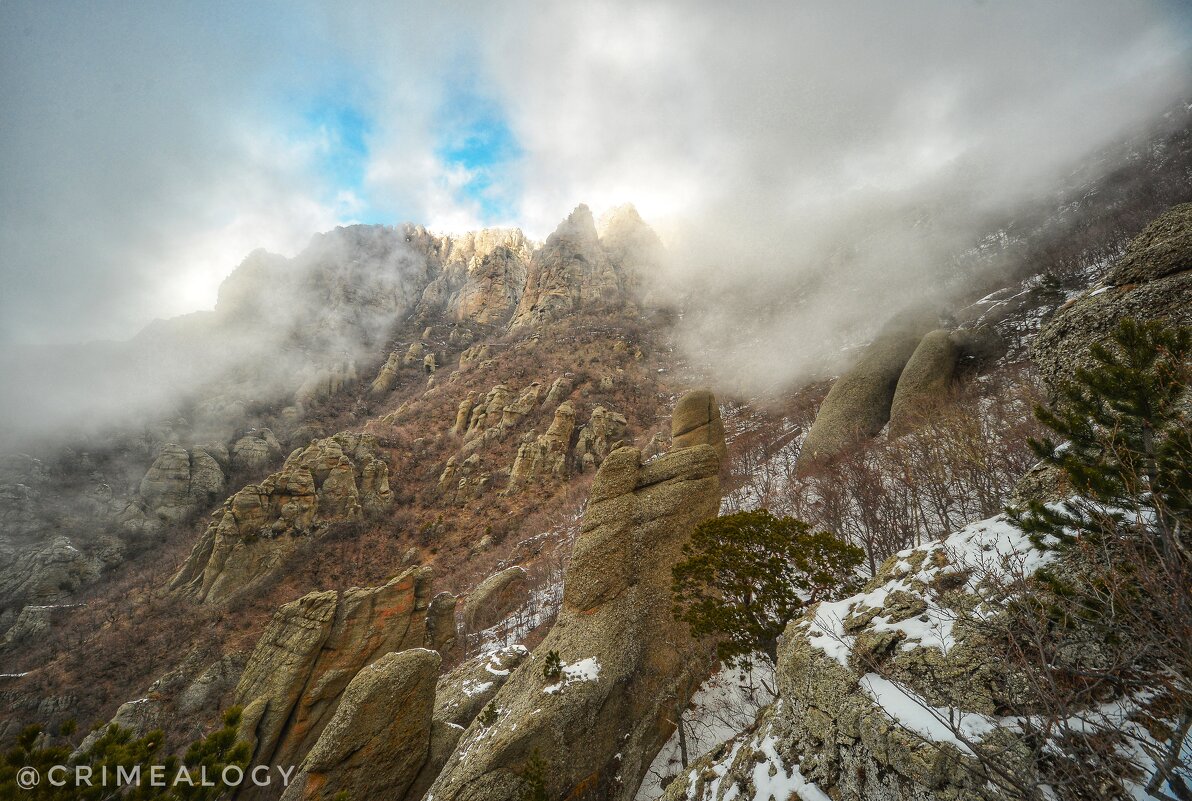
[
  {"x": 967, "y": 561},
  {"x": 583, "y": 670}
]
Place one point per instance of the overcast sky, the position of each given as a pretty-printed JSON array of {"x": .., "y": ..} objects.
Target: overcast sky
[{"x": 147, "y": 147}]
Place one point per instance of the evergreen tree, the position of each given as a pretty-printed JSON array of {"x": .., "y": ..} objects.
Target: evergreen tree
[
  {"x": 1128, "y": 443},
  {"x": 1112, "y": 618},
  {"x": 117, "y": 749},
  {"x": 745, "y": 576}
]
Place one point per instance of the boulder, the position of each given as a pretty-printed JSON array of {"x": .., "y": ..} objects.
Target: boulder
[
  {"x": 312, "y": 648},
  {"x": 254, "y": 452},
  {"x": 858, "y": 405},
  {"x": 628, "y": 666},
  {"x": 495, "y": 598},
  {"x": 926, "y": 381},
  {"x": 379, "y": 736}
]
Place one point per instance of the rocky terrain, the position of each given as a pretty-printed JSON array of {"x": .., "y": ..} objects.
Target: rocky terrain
[{"x": 402, "y": 471}]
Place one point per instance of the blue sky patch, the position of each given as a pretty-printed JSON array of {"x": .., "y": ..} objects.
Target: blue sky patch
[{"x": 477, "y": 138}]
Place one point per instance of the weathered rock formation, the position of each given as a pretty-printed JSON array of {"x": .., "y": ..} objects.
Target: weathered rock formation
[
  {"x": 1153, "y": 281},
  {"x": 495, "y": 597},
  {"x": 253, "y": 452},
  {"x": 310, "y": 651},
  {"x": 180, "y": 482},
  {"x": 379, "y": 736},
  {"x": 483, "y": 275},
  {"x": 386, "y": 378},
  {"x": 46, "y": 574},
  {"x": 441, "y": 632},
  {"x": 858, "y": 405},
  {"x": 546, "y": 454},
  {"x": 627, "y": 665},
  {"x": 926, "y": 381},
  {"x": 337, "y": 479},
  {"x": 696, "y": 421},
  {"x": 460, "y": 696},
  {"x": 570, "y": 271},
  {"x": 599, "y": 437}
]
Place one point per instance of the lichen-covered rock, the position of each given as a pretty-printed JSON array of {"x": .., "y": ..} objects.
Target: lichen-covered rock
[
  {"x": 312, "y": 648},
  {"x": 696, "y": 421},
  {"x": 1151, "y": 282},
  {"x": 379, "y": 736},
  {"x": 1164, "y": 247},
  {"x": 495, "y": 597},
  {"x": 463, "y": 414},
  {"x": 559, "y": 390},
  {"x": 879, "y": 692},
  {"x": 179, "y": 482},
  {"x": 332, "y": 480},
  {"x": 627, "y": 666},
  {"x": 926, "y": 380},
  {"x": 858, "y": 405}
]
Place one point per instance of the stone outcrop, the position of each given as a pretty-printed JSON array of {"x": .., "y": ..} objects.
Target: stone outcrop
[
  {"x": 495, "y": 597},
  {"x": 858, "y": 405},
  {"x": 463, "y": 414},
  {"x": 560, "y": 390},
  {"x": 48, "y": 573},
  {"x": 1151, "y": 282},
  {"x": 460, "y": 696},
  {"x": 379, "y": 736},
  {"x": 696, "y": 421},
  {"x": 482, "y": 277},
  {"x": 1163, "y": 248},
  {"x": 926, "y": 381},
  {"x": 477, "y": 354},
  {"x": 180, "y": 482},
  {"x": 570, "y": 271},
  {"x": 627, "y": 665},
  {"x": 599, "y": 437},
  {"x": 254, "y": 452},
  {"x": 487, "y": 414},
  {"x": 338, "y": 479},
  {"x": 462, "y": 481},
  {"x": 854, "y": 675},
  {"x": 544, "y": 455},
  {"x": 310, "y": 651},
  {"x": 386, "y": 378},
  {"x": 441, "y": 632}
]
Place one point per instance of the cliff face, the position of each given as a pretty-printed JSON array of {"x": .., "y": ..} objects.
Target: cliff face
[{"x": 627, "y": 669}]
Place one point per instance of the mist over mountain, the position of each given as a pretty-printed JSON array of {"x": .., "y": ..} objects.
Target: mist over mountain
[{"x": 634, "y": 401}]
